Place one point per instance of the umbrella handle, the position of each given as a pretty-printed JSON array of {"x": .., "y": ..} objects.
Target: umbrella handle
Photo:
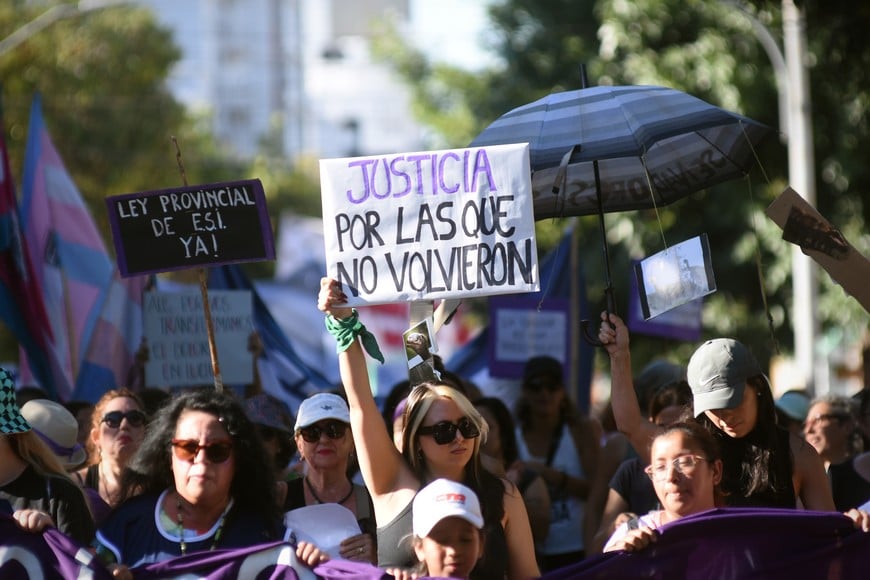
[{"x": 611, "y": 308}]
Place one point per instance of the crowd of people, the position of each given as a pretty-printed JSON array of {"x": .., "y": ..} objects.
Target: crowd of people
[{"x": 439, "y": 481}]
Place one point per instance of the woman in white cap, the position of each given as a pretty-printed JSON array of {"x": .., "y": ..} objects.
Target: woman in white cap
[
  {"x": 32, "y": 480},
  {"x": 441, "y": 439},
  {"x": 325, "y": 444},
  {"x": 764, "y": 465}
]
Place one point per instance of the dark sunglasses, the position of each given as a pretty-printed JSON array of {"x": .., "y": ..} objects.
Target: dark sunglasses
[
  {"x": 542, "y": 384},
  {"x": 215, "y": 452},
  {"x": 267, "y": 433},
  {"x": 134, "y": 418},
  {"x": 333, "y": 430},
  {"x": 444, "y": 432}
]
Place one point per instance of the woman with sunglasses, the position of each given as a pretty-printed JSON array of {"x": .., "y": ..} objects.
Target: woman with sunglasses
[
  {"x": 200, "y": 481},
  {"x": 325, "y": 444},
  {"x": 685, "y": 470},
  {"x": 441, "y": 439},
  {"x": 117, "y": 429}
]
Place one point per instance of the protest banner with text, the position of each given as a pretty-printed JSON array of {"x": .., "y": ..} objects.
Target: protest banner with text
[
  {"x": 430, "y": 225},
  {"x": 173, "y": 229},
  {"x": 177, "y": 337}
]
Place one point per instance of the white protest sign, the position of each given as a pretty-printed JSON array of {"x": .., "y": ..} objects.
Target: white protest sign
[
  {"x": 430, "y": 225},
  {"x": 175, "y": 328}
]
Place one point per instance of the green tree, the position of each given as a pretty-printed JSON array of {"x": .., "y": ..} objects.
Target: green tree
[{"x": 706, "y": 48}]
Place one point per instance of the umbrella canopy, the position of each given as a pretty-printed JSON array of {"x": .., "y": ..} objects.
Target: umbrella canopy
[{"x": 651, "y": 145}]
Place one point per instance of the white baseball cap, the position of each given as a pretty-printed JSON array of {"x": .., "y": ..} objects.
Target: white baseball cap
[
  {"x": 441, "y": 499},
  {"x": 319, "y": 407}
]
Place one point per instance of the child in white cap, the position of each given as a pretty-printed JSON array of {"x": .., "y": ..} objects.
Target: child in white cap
[{"x": 448, "y": 530}]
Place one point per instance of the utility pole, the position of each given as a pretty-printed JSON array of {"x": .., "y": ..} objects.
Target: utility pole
[
  {"x": 793, "y": 88},
  {"x": 802, "y": 177}
]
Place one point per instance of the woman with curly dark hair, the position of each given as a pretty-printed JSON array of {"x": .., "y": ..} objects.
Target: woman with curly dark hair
[{"x": 199, "y": 481}]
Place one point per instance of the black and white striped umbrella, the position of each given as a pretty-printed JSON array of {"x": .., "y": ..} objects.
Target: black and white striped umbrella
[{"x": 650, "y": 146}]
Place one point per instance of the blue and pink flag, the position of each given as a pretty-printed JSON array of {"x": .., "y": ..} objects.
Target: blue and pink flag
[
  {"x": 24, "y": 316},
  {"x": 96, "y": 317}
]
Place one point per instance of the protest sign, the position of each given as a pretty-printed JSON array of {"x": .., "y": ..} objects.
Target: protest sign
[
  {"x": 524, "y": 327},
  {"x": 821, "y": 241},
  {"x": 178, "y": 343},
  {"x": 173, "y": 229},
  {"x": 430, "y": 225}
]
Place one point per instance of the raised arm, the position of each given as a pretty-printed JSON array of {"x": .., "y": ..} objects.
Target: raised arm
[
  {"x": 381, "y": 465},
  {"x": 626, "y": 409}
]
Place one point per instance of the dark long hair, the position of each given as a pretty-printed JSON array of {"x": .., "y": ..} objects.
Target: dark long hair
[
  {"x": 757, "y": 468},
  {"x": 490, "y": 489},
  {"x": 150, "y": 469},
  {"x": 505, "y": 420}
]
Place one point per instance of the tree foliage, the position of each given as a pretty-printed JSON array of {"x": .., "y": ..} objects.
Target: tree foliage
[
  {"x": 102, "y": 76},
  {"x": 706, "y": 48}
]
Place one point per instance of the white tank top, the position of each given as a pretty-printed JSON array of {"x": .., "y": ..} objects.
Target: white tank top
[{"x": 566, "y": 514}]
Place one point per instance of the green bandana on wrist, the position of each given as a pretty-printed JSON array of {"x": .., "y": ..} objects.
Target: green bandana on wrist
[{"x": 345, "y": 331}]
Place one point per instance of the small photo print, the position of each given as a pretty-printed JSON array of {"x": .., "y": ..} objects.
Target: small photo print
[
  {"x": 420, "y": 345},
  {"x": 675, "y": 276}
]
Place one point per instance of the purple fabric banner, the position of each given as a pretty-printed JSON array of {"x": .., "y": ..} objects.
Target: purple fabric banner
[
  {"x": 740, "y": 543},
  {"x": 49, "y": 555}
]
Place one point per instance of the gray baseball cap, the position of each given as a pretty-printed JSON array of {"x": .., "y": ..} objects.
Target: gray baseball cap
[{"x": 718, "y": 372}]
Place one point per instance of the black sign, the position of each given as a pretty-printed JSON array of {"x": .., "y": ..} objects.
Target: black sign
[{"x": 173, "y": 229}]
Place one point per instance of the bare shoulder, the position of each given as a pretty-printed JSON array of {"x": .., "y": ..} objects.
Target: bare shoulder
[{"x": 805, "y": 455}]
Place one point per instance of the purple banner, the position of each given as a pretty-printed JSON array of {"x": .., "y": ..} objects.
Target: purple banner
[{"x": 737, "y": 543}]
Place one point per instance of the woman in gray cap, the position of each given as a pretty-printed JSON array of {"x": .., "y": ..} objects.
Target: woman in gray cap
[{"x": 764, "y": 465}]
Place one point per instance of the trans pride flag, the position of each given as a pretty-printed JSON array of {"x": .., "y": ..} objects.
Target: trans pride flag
[
  {"x": 25, "y": 316},
  {"x": 96, "y": 317}
]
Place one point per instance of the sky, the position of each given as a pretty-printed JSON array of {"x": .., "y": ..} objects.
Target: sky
[{"x": 451, "y": 30}]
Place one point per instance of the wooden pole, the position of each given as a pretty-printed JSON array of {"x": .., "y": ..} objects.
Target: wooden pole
[{"x": 203, "y": 288}]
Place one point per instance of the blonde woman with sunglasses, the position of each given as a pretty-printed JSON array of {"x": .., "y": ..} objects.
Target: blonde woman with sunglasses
[
  {"x": 441, "y": 439},
  {"x": 200, "y": 481}
]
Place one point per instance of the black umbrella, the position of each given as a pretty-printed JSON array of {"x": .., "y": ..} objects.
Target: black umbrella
[{"x": 609, "y": 149}]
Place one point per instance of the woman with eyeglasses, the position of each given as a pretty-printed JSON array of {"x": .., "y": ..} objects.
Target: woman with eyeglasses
[
  {"x": 325, "y": 444},
  {"x": 686, "y": 469},
  {"x": 763, "y": 464},
  {"x": 117, "y": 429},
  {"x": 441, "y": 439},
  {"x": 200, "y": 481}
]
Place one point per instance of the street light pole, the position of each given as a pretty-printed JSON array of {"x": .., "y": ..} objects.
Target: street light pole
[
  {"x": 52, "y": 15},
  {"x": 802, "y": 178},
  {"x": 793, "y": 88}
]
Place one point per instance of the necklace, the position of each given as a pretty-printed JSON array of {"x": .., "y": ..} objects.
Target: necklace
[
  {"x": 180, "y": 518},
  {"x": 314, "y": 495}
]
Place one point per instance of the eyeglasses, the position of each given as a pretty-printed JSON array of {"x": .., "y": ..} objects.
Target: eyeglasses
[
  {"x": 444, "y": 432},
  {"x": 134, "y": 418},
  {"x": 215, "y": 451},
  {"x": 684, "y": 464},
  {"x": 333, "y": 430}
]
